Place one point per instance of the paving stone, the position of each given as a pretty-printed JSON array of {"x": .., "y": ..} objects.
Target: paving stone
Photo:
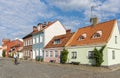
[{"x": 29, "y": 69}]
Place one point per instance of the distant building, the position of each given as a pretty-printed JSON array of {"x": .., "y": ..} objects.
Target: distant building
[{"x": 28, "y": 42}]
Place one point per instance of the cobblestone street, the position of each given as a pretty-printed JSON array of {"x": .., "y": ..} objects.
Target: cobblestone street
[{"x": 28, "y": 69}]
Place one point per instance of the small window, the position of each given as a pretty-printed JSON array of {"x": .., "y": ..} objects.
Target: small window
[
  {"x": 74, "y": 55},
  {"x": 37, "y": 40},
  {"x": 56, "y": 53},
  {"x": 51, "y": 55},
  {"x": 81, "y": 38},
  {"x": 57, "y": 41},
  {"x": 46, "y": 53},
  {"x": 115, "y": 39},
  {"x": 113, "y": 54},
  {"x": 33, "y": 40},
  {"x": 90, "y": 54},
  {"x": 41, "y": 39},
  {"x": 96, "y": 35}
]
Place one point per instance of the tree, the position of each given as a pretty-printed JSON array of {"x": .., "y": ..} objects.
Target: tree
[
  {"x": 98, "y": 56},
  {"x": 64, "y": 55},
  {"x": 3, "y": 53}
]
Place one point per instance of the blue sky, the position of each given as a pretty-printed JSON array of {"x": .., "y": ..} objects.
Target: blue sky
[{"x": 17, "y": 17}]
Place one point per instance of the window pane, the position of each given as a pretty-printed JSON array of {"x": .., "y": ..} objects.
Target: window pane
[
  {"x": 74, "y": 55},
  {"x": 51, "y": 54},
  {"x": 90, "y": 54},
  {"x": 113, "y": 54}
]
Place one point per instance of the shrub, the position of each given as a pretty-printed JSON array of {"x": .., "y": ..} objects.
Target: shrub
[
  {"x": 76, "y": 63},
  {"x": 3, "y": 53},
  {"x": 64, "y": 55},
  {"x": 38, "y": 58},
  {"x": 98, "y": 56}
]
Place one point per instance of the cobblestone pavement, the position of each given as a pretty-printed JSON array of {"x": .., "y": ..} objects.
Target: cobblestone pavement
[{"x": 28, "y": 69}]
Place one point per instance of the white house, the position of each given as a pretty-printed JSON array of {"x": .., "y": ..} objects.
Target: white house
[
  {"x": 45, "y": 33},
  {"x": 85, "y": 39}
]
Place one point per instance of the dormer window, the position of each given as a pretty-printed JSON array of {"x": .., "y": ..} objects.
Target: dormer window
[
  {"x": 98, "y": 34},
  {"x": 57, "y": 41},
  {"x": 82, "y": 37}
]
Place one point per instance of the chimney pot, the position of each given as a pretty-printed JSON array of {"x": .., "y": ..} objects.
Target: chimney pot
[{"x": 94, "y": 21}]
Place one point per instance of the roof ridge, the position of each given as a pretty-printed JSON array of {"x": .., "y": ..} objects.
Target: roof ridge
[{"x": 98, "y": 23}]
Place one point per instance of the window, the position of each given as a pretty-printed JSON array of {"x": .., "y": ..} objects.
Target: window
[
  {"x": 28, "y": 42},
  {"x": 41, "y": 39},
  {"x": 46, "y": 53},
  {"x": 37, "y": 40},
  {"x": 115, "y": 39},
  {"x": 56, "y": 53},
  {"x": 33, "y": 40},
  {"x": 113, "y": 54},
  {"x": 24, "y": 43},
  {"x": 74, "y": 55},
  {"x": 51, "y": 54},
  {"x": 96, "y": 35},
  {"x": 57, "y": 41},
  {"x": 81, "y": 38},
  {"x": 90, "y": 54}
]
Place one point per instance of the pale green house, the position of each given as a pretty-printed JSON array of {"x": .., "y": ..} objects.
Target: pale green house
[{"x": 85, "y": 39}]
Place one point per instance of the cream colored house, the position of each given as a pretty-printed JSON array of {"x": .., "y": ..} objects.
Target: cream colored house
[{"x": 85, "y": 39}]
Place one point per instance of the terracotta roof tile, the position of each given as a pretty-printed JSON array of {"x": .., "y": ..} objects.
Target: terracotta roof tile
[
  {"x": 63, "y": 40},
  {"x": 105, "y": 27}
]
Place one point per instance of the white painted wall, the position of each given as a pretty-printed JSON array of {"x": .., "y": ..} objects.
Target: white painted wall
[
  {"x": 82, "y": 54},
  {"x": 114, "y": 47},
  {"x": 111, "y": 42},
  {"x": 0, "y": 52},
  {"x": 55, "y": 29}
]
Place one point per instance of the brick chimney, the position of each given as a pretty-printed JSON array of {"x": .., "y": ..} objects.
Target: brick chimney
[
  {"x": 68, "y": 31},
  {"x": 34, "y": 28},
  {"x": 94, "y": 21},
  {"x": 39, "y": 26},
  {"x": 49, "y": 23}
]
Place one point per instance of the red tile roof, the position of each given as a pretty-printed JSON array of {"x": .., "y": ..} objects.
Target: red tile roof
[
  {"x": 63, "y": 40},
  {"x": 105, "y": 27}
]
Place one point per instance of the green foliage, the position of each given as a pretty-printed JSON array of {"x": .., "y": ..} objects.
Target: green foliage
[
  {"x": 98, "y": 56},
  {"x": 3, "y": 53},
  {"x": 64, "y": 55}
]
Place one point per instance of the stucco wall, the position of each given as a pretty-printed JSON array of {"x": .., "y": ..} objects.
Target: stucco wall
[
  {"x": 112, "y": 46},
  {"x": 82, "y": 55},
  {"x": 48, "y": 59},
  {"x": 56, "y": 29}
]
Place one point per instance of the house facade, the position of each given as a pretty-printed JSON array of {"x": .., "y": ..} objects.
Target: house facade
[
  {"x": 14, "y": 46},
  {"x": 46, "y": 32},
  {"x": 27, "y": 46},
  {"x": 53, "y": 49},
  {"x": 4, "y": 45},
  {"x": 86, "y": 39}
]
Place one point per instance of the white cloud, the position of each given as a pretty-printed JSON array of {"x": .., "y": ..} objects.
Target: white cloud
[{"x": 18, "y": 16}]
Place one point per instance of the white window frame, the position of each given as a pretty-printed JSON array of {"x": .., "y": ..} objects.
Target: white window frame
[
  {"x": 90, "y": 54},
  {"x": 51, "y": 53},
  {"x": 74, "y": 55},
  {"x": 56, "y": 53},
  {"x": 41, "y": 39}
]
